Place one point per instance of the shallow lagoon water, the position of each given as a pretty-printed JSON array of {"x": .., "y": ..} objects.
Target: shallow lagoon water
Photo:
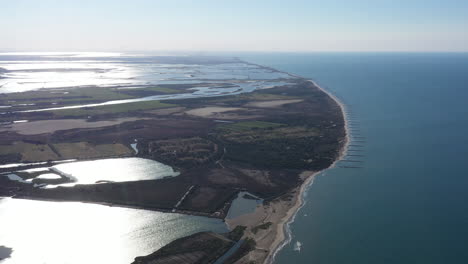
[
  {"x": 102, "y": 170},
  {"x": 25, "y": 72},
  {"x": 116, "y": 170},
  {"x": 242, "y": 87},
  {"x": 76, "y": 233},
  {"x": 242, "y": 205}
]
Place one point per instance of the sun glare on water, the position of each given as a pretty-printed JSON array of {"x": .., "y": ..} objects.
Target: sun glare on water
[{"x": 76, "y": 233}]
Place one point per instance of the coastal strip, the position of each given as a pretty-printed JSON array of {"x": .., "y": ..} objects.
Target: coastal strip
[
  {"x": 282, "y": 211},
  {"x": 286, "y": 235}
]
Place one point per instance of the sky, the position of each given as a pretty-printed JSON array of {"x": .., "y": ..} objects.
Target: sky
[{"x": 234, "y": 25}]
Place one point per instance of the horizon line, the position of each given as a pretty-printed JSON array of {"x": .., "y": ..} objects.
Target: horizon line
[{"x": 226, "y": 51}]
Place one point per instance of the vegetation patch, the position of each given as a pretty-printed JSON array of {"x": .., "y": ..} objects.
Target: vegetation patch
[
  {"x": 29, "y": 151},
  {"x": 294, "y": 147},
  {"x": 162, "y": 90},
  {"x": 237, "y": 233},
  {"x": 248, "y": 125},
  {"x": 242, "y": 136},
  {"x": 63, "y": 95},
  {"x": 183, "y": 152},
  {"x": 247, "y": 245},
  {"x": 85, "y": 150},
  {"x": 207, "y": 199},
  {"x": 200, "y": 248},
  {"x": 257, "y": 96},
  {"x": 283, "y": 153},
  {"x": 264, "y": 226}
]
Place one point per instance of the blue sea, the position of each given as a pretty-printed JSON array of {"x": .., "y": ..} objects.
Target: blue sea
[{"x": 409, "y": 202}]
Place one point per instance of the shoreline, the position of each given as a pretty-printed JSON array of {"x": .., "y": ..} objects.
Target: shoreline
[
  {"x": 284, "y": 211},
  {"x": 280, "y": 212},
  {"x": 286, "y": 227},
  {"x": 310, "y": 179}
]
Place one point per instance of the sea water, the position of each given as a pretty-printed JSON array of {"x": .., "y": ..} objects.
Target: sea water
[{"x": 408, "y": 204}]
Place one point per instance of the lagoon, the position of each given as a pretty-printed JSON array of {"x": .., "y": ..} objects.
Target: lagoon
[{"x": 76, "y": 233}]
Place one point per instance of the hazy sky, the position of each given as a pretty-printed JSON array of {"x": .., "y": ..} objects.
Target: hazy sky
[{"x": 234, "y": 25}]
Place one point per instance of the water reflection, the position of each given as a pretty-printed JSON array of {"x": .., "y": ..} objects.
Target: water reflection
[
  {"x": 30, "y": 71},
  {"x": 116, "y": 170},
  {"x": 96, "y": 171},
  {"x": 69, "y": 232},
  {"x": 245, "y": 87}
]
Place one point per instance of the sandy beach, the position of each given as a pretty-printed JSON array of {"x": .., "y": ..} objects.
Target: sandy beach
[{"x": 281, "y": 211}]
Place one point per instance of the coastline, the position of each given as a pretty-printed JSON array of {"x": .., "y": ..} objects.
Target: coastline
[
  {"x": 281, "y": 212},
  {"x": 286, "y": 235},
  {"x": 270, "y": 242}
]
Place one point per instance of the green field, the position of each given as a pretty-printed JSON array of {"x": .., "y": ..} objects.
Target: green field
[
  {"x": 85, "y": 150},
  {"x": 65, "y": 95},
  {"x": 29, "y": 152}
]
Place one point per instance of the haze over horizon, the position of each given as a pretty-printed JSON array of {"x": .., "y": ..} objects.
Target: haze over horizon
[{"x": 207, "y": 25}]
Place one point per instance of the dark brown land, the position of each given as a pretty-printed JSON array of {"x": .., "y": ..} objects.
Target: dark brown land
[
  {"x": 265, "y": 142},
  {"x": 259, "y": 142},
  {"x": 200, "y": 248}
]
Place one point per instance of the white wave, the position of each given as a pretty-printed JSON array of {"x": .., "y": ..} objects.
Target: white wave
[
  {"x": 297, "y": 246},
  {"x": 306, "y": 186}
]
